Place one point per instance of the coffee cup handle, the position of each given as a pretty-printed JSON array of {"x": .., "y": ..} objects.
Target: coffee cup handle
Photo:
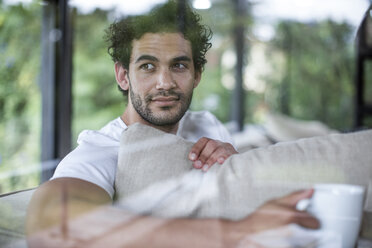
[{"x": 303, "y": 204}]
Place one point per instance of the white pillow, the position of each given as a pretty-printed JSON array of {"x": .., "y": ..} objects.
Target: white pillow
[{"x": 155, "y": 176}]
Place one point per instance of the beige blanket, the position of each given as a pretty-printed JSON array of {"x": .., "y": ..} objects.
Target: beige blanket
[{"x": 155, "y": 176}]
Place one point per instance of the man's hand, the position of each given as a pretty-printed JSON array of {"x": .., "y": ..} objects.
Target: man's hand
[
  {"x": 139, "y": 231},
  {"x": 280, "y": 212},
  {"x": 205, "y": 152}
]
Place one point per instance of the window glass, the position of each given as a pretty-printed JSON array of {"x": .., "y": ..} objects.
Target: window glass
[
  {"x": 289, "y": 68},
  {"x": 298, "y": 66},
  {"x": 290, "y": 61},
  {"x": 20, "y": 109},
  {"x": 96, "y": 99},
  {"x": 299, "y": 63}
]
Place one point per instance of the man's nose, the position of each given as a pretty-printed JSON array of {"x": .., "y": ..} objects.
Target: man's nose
[{"x": 165, "y": 81}]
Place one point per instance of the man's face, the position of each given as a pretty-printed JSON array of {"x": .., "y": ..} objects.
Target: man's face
[{"x": 161, "y": 77}]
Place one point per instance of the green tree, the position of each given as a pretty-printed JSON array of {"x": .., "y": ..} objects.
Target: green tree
[
  {"x": 211, "y": 94},
  {"x": 19, "y": 92},
  {"x": 318, "y": 79},
  {"x": 96, "y": 98}
]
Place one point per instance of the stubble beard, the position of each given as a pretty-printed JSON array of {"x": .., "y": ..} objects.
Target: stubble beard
[{"x": 166, "y": 116}]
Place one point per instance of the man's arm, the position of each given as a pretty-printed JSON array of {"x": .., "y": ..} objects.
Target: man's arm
[
  {"x": 281, "y": 211},
  {"x": 225, "y": 233},
  {"x": 205, "y": 152},
  {"x": 78, "y": 197},
  {"x": 60, "y": 199}
]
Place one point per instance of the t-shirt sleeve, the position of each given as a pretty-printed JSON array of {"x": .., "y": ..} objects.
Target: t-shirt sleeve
[
  {"x": 221, "y": 131},
  {"x": 196, "y": 125},
  {"x": 92, "y": 163}
]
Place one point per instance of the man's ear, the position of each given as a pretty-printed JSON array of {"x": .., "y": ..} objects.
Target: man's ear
[
  {"x": 197, "y": 78},
  {"x": 121, "y": 75}
]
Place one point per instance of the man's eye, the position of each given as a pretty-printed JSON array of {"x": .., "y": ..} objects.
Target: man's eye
[
  {"x": 147, "y": 67},
  {"x": 179, "y": 66}
]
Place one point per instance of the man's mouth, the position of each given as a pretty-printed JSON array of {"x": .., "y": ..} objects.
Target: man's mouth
[{"x": 165, "y": 100}]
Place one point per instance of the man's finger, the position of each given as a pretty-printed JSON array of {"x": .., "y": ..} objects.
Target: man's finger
[
  {"x": 221, "y": 160},
  {"x": 279, "y": 214},
  {"x": 293, "y": 198},
  {"x": 308, "y": 221},
  {"x": 301, "y": 218},
  {"x": 208, "y": 150},
  {"x": 218, "y": 155},
  {"x": 197, "y": 148}
]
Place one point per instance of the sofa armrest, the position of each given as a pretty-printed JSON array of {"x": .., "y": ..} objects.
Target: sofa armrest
[{"x": 13, "y": 210}]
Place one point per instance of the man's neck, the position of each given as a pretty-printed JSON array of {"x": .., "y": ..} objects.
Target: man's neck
[{"x": 130, "y": 119}]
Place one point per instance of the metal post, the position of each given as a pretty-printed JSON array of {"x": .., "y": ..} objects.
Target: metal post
[
  {"x": 64, "y": 81},
  {"x": 359, "y": 89},
  {"x": 237, "y": 107},
  {"x": 364, "y": 53},
  {"x": 359, "y": 74},
  {"x": 55, "y": 82},
  {"x": 181, "y": 9},
  {"x": 48, "y": 88}
]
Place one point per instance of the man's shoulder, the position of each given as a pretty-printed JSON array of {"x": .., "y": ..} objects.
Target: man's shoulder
[
  {"x": 197, "y": 124},
  {"x": 203, "y": 116},
  {"x": 109, "y": 133},
  {"x": 114, "y": 126}
]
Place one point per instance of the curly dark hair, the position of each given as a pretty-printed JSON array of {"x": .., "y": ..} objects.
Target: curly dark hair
[{"x": 169, "y": 17}]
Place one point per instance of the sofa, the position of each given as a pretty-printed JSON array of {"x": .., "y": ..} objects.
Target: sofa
[{"x": 13, "y": 209}]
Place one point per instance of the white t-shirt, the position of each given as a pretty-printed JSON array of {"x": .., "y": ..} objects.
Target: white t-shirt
[{"x": 95, "y": 158}]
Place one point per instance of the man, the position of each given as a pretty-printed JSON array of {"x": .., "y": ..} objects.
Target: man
[{"x": 159, "y": 59}]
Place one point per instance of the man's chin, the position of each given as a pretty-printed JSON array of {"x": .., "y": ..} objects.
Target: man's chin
[{"x": 166, "y": 118}]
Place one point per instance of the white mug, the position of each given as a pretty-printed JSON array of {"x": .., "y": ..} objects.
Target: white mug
[{"x": 339, "y": 208}]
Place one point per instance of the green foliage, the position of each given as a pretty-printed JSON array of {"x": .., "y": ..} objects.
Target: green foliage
[
  {"x": 211, "y": 95},
  {"x": 318, "y": 79},
  {"x": 317, "y": 82},
  {"x": 19, "y": 92},
  {"x": 95, "y": 93}
]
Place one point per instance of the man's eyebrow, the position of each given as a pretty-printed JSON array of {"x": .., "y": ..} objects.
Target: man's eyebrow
[
  {"x": 181, "y": 58},
  {"x": 146, "y": 57}
]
